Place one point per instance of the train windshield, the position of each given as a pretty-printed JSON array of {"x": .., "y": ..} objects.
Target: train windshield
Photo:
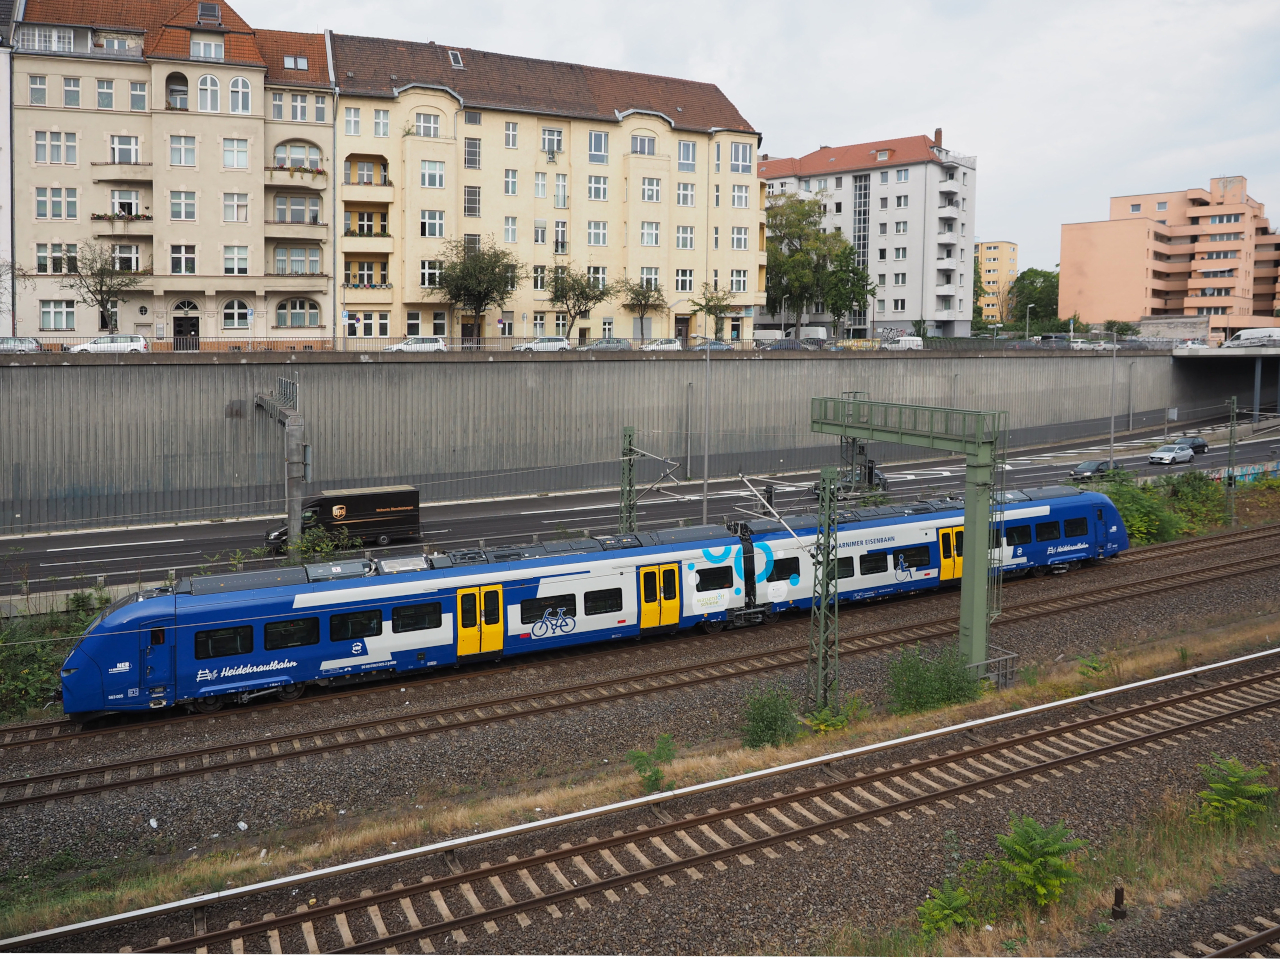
[{"x": 106, "y": 612}]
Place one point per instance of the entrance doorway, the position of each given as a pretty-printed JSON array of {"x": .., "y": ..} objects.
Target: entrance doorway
[
  {"x": 660, "y": 598},
  {"x": 682, "y": 329},
  {"x": 480, "y": 621},
  {"x": 471, "y": 332},
  {"x": 186, "y": 325}
]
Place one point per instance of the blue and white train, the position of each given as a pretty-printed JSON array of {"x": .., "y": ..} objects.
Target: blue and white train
[{"x": 230, "y": 638}]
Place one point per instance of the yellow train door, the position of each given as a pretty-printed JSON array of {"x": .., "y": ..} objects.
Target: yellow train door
[
  {"x": 670, "y": 591},
  {"x": 491, "y": 619},
  {"x": 951, "y": 552},
  {"x": 650, "y": 598},
  {"x": 468, "y": 622}
]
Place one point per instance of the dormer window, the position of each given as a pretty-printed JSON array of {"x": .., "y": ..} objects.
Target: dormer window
[
  {"x": 206, "y": 49},
  {"x": 455, "y": 58},
  {"x": 882, "y": 155},
  {"x": 115, "y": 43},
  {"x": 208, "y": 13},
  {"x": 295, "y": 63}
]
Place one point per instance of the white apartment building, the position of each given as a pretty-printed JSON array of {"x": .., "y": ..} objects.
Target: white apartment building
[{"x": 908, "y": 207}]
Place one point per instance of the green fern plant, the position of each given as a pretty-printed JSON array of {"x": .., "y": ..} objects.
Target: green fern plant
[
  {"x": 1235, "y": 797},
  {"x": 946, "y": 907},
  {"x": 1036, "y": 864}
]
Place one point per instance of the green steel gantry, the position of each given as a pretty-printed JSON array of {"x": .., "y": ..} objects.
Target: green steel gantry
[{"x": 981, "y": 436}]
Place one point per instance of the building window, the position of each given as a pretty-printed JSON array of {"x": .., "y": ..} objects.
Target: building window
[
  {"x": 124, "y": 149},
  {"x": 55, "y": 147},
  {"x": 561, "y": 237},
  {"x": 562, "y": 191},
  {"x": 235, "y": 313},
  {"x": 1225, "y": 218},
  {"x": 432, "y": 224},
  {"x": 1162, "y": 205},
  {"x": 50, "y": 258},
  {"x": 106, "y": 94},
  {"x": 56, "y": 203},
  {"x": 235, "y": 154},
  {"x": 1135, "y": 208},
  {"x": 540, "y": 186},
  {"x": 899, "y": 253},
  {"x": 182, "y": 259},
  {"x": 684, "y": 194},
  {"x": 649, "y": 278},
  {"x": 740, "y": 158},
  {"x": 182, "y": 151},
  {"x": 597, "y": 233},
  {"x": 717, "y": 161},
  {"x": 739, "y": 238},
  {"x": 883, "y": 254},
  {"x": 471, "y": 117},
  {"x": 431, "y": 272},
  {"x": 509, "y": 229},
  {"x": 471, "y": 201},
  {"x": 298, "y": 313},
  {"x": 426, "y": 125},
  {"x": 648, "y": 233},
  {"x": 900, "y": 200},
  {"x": 899, "y": 279},
  {"x": 715, "y": 238},
  {"x": 207, "y": 49},
  {"x": 432, "y": 174},
  {"x": 37, "y": 94},
  {"x": 539, "y": 324},
  {"x": 903, "y": 175},
  {"x": 471, "y": 153},
  {"x": 57, "y": 314},
  {"x": 562, "y": 324},
  {"x": 899, "y": 306},
  {"x": 235, "y": 261},
  {"x": 182, "y": 205},
  {"x": 738, "y": 281},
  {"x": 687, "y": 152},
  {"x": 597, "y": 146},
  {"x": 552, "y": 140},
  {"x": 381, "y": 123},
  {"x": 510, "y": 135},
  {"x": 540, "y": 277},
  {"x": 125, "y": 256},
  {"x": 509, "y": 183},
  {"x": 71, "y": 92},
  {"x": 352, "y": 121},
  {"x": 684, "y": 238},
  {"x": 207, "y": 97},
  {"x": 597, "y": 188},
  {"x": 684, "y": 281},
  {"x": 235, "y": 207},
  {"x": 741, "y": 195},
  {"x": 539, "y": 231},
  {"x": 643, "y": 145}
]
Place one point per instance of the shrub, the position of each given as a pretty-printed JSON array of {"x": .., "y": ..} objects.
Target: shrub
[
  {"x": 945, "y": 908},
  {"x": 917, "y": 684},
  {"x": 826, "y": 719},
  {"x": 771, "y": 718},
  {"x": 1036, "y": 864},
  {"x": 1235, "y": 797},
  {"x": 649, "y": 765},
  {"x": 1144, "y": 509}
]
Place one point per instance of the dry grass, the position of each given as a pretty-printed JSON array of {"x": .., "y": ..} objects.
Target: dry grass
[{"x": 33, "y": 905}]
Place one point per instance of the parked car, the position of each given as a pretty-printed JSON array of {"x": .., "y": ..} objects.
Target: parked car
[
  {"x": 608, "y": 343},
  {"x": 419, "y": 345},
  {"x": 665, "y": 344},
  {"x": 713, "y": 345},
  {"x": 786, "y": 343},
  {"x": 545, "y": 345},
  {"x": 1198, "y": 445},
  {"x": 1172, "y": 453},
  {"x": 1193, "y": 344},
  {"x": 1092, "y": 468},
  {"x": 114, "y": 343},
  {"x": 19, "y": 345},
  {"x": 814, "y": 343},
  {"x": 904, "y": 343},
  {"x": 1256, "y": 337},
  {"x": 1081, "y": 344}
]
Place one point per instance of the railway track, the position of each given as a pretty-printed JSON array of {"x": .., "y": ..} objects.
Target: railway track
[
  {"x": 1258, "y": 937},
  {"x": 66, "y": 729},
  {"x": 206, "y": 759},
  {"x": 597, "y": 873}
]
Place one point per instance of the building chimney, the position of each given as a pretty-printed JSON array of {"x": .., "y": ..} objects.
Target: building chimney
[
  {"x": 937, "y": 136},
  {"x": 764, "y": 156}
]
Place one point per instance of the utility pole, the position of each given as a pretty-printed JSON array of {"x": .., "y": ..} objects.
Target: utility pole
[
  {"x": 824, "y": 634},
  {"x": 1111, "y": 402},
  {"x": 1030, "y": 307},
  {"x": 1231, "y": 467},
  {"x": 282, "y": 405},
  {"x": 627, "y": 499}
]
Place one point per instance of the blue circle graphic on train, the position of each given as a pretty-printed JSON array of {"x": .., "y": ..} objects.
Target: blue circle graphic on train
[{"x": 794, "y": 579}]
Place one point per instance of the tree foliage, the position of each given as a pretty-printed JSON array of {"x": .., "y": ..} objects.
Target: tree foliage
[
  {"x": 1236, "y": 795},
  {"x": 847, "y": 287},
  {"x": 805, "y": 265},
  {"x": 1037, "y": 289},
  {"x": 479, "y": 278},
  {"x": 642, "y": 297},
  {"x": 715, "y": 304},
  {"x": 1036, "y": 859},
  {"x": 576, "y": 292},
  {"x": 97, "y": 281}
]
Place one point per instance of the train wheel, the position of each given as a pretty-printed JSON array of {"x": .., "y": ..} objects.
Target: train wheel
[
  {"x": 773, "y": 616},
  {"x": 208, "y": 704},
  {"x": 1037, "y": 571},
  {"x": 292, "y": 692},
  {"x": 712, "y": 626}
]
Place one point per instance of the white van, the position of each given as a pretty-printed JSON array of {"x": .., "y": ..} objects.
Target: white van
[
  {"x": 1256, "y": 337},
  {"x": 905, "y": 343}
]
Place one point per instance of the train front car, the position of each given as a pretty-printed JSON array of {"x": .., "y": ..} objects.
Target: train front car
[{"x": 124, "y": 660}]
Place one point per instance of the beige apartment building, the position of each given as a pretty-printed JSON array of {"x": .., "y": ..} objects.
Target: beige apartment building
[
  {"x": 996, "y": 263},
  {"x": 619, "y": 174},
  {"x": 194, "y": 147},
  {"x": 1195, "y": 253}
]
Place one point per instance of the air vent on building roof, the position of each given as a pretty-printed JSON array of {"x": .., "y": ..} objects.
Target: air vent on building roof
[
  {"x": 350, "y": 74},
  {"x": 208, "y": 13},
  {"x": 394, "y": 77},
  {"x": 455, "y": 58}
]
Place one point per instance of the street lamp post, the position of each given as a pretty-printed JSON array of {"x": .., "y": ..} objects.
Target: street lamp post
[
  {"x": 1030, "y": 307},
  {"x": 1111, "y": 453},
  {"x": 706, "y": 424}
]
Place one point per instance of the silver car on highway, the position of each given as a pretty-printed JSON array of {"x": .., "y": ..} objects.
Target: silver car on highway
[{"x": 1172, "y": 453}]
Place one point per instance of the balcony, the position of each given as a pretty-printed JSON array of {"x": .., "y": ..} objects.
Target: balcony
[
  {"x": 295, "y": 230},
  {"x": 355, "y": 242},
  {"x": 949, "y": 209},
  {"x": 945, "y": 290},
  {"x": 302, "y": 178},
  {"x": 949, "y": 186},
  {"x": 946, "y": 263},
  {"x": 296, "y": 282},
  {"x": 383, "y": 192},
  {"x": 945, "y": 316},
  {"x": 361, "y": 293},
  {"x": 947, "y": 236},
  {"x": 122, "y": 225},
  {"x": 107, "y": 172}
]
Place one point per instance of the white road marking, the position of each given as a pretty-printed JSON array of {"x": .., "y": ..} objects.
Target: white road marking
[
  {"x": 149, "y": 556},
  {"x": 103, "y": 546}
]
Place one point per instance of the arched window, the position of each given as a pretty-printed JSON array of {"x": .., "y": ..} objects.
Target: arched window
[
  {"x": 298, "y": 155},
  {"x": 175, "y": 91},
  {"x": 186, "y": 308},
  {"x": 235, "y": 315},
  {"x": 298, "y": 313},
  {"x": 208, "y": 102},
  {"x": 239, "y": 95}
]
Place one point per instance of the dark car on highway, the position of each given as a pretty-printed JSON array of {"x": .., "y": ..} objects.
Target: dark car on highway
[
  {"x": 1198, "y": 445},
  {"x": 1091, "y": 469},
  {"x": 608, "y": 343}
]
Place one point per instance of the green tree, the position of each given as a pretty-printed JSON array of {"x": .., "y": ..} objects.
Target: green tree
[
  {"x": 847, "y": 286},
  {"x": 577, "y": 293},
  {"x": 642, "y": 297},
  {"x": 978, "y": 324},
  {"x": 1037, "y": 289},
  {"x": 649, "y": 764},
  {"x": 97, "y": 280},
  {"x": 715, "y": 304},
  {"x": 799, "y": 256},
  {"x": 479, "y": 277},
  {"x": 1120, "y": 328}
]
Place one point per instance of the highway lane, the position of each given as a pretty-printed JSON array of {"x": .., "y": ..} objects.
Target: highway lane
[{"x": 65, "y": 560}]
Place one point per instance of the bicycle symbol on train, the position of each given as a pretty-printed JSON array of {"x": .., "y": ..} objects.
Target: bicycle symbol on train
[{"x": 552, "y": 624}]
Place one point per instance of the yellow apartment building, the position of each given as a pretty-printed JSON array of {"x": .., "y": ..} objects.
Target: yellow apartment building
[
  {"x": 620, "y": 174},
  {"x": 192, "y": 146},
  {"x": 997, "y": 266}
]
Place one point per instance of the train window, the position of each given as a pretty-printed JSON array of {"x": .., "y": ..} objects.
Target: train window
[
  {"x": 1075, "y": 527},
  {"x": 1099, "y": 514},
  {"x": 423, "y": 616},
  {"x": 467, "y": 611},
  {"x": 531, "y": 611},
  {"x": 946, "y": 546},
  {"x": 870, "y": 563},
  {"x": 911, "y": 557},
  {"x": 650, "y": 583},
  {"x": 715, "y": 578},
  {"x": 157, "y": 636},
  {"x": 224, "y": 642},
  {"x": 353, "y": 626},
  {"x": 1017, "y": 536},
  {"x": 668, "y": 584},
  {"x": 291, "y": 633},
  {"x": 959, "y": 543},
  {"x": 492, "y": 607},
  {"x": 844, "y": 568},
  {"x": 596, "y": 602},
  {"x": 1050, "y": 530},
  {"x": 784, "y": 569}
]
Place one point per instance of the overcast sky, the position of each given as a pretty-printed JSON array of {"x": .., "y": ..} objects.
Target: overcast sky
[{"x": 1064, "y": 105}]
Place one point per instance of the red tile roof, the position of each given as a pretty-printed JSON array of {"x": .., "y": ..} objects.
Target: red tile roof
[
  {"x": 278, "y": 44},
  {"x": 856, "y": 156},
  {"x": 501, "y": 81}
]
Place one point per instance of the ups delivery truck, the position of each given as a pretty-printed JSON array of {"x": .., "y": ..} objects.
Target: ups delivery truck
[{"x": 371, "y": 515}]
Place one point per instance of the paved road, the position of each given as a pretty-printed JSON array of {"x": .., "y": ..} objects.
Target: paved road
[{"x": 55, "y": 561}]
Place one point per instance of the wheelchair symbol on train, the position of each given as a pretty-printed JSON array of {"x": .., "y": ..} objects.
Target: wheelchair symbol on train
[{"x": 552, "y": 624}]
